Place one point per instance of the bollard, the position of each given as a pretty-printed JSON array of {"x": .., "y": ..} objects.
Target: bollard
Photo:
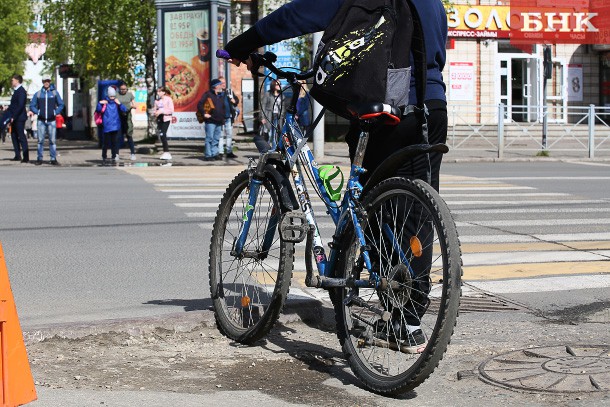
[
  {"x": 591, "y": 131},
  {"x": 501, "y": 130}
]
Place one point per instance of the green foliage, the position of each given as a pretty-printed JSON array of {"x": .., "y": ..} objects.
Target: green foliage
[
  {"x": 15, "y": 18},
  {"x": 104, "y": 39}
]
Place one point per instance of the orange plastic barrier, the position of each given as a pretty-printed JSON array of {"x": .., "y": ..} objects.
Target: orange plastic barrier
[{"x": 17, "y": 381}]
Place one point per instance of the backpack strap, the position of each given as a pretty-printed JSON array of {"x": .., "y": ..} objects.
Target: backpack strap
[{"x": 418, "y": 50}]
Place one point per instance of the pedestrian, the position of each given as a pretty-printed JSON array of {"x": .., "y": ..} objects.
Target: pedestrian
[
  {"x": 303, "y": 115},
  {"x": 110, "y": 108},
  {"x": 127, "y": 98},
  {"x": 28, "y": 126},
  {"x": 16, "y": 115},
  {"x": 164, "y": 110},
  {"x": 231, "y": 102},
  {"x": 34, "y": 119},
  {"x": 271, "y": 111},
  {"x": 212, "y": 105},
  {"x": 46, "y": 104},
  {"x": 275, "y": 27},
  {"x": 60, "y": 125}
]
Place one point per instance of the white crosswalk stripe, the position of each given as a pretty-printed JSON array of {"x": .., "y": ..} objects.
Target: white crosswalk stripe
[{"x": 504, "y": 227}]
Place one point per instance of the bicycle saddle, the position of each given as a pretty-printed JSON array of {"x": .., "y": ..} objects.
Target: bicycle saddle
[{"x": 384, "y": 113}]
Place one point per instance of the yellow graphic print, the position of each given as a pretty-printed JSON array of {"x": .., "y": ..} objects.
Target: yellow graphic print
[{"x": 348, "y": 52}]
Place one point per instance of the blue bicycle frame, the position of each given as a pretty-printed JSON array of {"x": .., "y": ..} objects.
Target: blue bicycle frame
[{"x": 292, "y": 145}]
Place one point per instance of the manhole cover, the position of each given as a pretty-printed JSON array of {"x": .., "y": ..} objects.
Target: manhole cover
[{"x": 553, "y": 369}]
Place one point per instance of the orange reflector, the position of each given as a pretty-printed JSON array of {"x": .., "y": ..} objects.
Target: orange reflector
[
  {"x": 416, "y": 246},
  {"x": 245, "y": 301}
]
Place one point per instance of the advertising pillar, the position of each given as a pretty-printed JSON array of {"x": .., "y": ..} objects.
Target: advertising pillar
[{"x": 189, "y": 34}]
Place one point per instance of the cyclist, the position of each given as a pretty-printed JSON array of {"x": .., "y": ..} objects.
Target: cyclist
[{"x": 298, "y": 18}]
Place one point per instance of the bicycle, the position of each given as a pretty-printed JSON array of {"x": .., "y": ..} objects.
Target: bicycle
[{"x": 394, "y": 261}]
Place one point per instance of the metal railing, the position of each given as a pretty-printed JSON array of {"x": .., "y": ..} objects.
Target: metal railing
[{"x": 579, "y": 131}]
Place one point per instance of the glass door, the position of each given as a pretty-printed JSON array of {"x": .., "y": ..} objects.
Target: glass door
[{"x": 519, "y": 87}]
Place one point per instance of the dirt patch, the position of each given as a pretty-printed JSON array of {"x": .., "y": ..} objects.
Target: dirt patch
[{"x": 290, "y": 364}]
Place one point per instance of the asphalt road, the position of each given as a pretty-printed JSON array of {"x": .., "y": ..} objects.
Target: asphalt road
[
  {"x": 85, "y": 244},
  {"x": 91, "y": 244}
]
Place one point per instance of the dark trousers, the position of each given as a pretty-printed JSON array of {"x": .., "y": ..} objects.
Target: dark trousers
[
  {"x": 127, "y": 132},
  {"x": 20, "y": 141},
  {"x": 111, "y": 140},
  {"x": 382, "y": 143},
  {"x": 388, "y": 139},
  {"x": 163, "y": 127}
]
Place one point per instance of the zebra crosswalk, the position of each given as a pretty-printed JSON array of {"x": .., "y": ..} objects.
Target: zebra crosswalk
[{"x": 508, "y": 231}]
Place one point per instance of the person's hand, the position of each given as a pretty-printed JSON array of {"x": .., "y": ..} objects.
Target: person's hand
[
  {"x": 263, "y": 121},
  {"x": 237, "y": 62},
  {"x": 103, "y": 102},
  {"x": 30, "y": 113},
  {"x": 117, "y": 101},
  {"x": 207, "y": 115}
]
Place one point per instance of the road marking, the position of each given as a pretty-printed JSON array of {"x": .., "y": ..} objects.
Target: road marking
[
  {"x": 522, "y": 238},
  {"x": 508, "y": 195},
  {"x": 498, "y": 258},
  {"x": 497, "y": 187},
  {"x": 205, "y": 188},
  {"x": 537, "y": 246},
  {"x": 544, "y": 284},
  {"x": 533, "y": 222},
  {"x": 519, "y": 270},
  {"x": 486, "y": 257},
  {"x": 206, "y": 196},
  {"x": 555, "y": 178},
  {"x": 536, "y": 202},
  {"x": 527, "y": 210}
]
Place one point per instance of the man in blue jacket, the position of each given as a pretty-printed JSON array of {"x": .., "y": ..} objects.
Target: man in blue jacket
[
  {"x": 299, "y": 17},
  {"x": 47, "y": 104},
  {"x": 16, "y": 113}
]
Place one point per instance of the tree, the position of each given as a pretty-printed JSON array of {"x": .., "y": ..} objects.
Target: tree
[
  {"x": 105, "y": 39},
  {"x": 15, "y": 19}
]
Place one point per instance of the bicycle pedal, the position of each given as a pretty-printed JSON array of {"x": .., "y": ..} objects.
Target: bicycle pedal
[{"x": 293, "y": 227}]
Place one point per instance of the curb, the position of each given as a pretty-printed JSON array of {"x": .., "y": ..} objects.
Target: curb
[{"x": 309, "y": 311}]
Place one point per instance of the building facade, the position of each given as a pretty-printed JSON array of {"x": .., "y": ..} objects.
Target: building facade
[{"x": 485, "y": 69}]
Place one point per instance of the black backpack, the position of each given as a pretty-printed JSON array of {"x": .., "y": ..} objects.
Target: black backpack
[{"x": 365, "y": 56}]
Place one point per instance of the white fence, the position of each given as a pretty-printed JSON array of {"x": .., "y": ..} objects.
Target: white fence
[{"x": 582, "y": 131}]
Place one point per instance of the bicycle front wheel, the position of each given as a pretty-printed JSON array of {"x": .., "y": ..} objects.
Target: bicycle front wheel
[
  {"x": 395, "y": 335},
  {"x": 249, "y": 290}
]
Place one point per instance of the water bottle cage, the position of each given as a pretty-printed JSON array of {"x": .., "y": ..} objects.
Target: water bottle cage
[{"x": 327, "y": 175}]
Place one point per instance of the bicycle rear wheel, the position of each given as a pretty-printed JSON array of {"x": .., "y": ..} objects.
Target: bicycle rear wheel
[
  {"x": 248, "y": 291},
  {"x": 394, "y": 337}
]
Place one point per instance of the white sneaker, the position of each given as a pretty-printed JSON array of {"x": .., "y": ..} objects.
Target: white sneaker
[
  {"x": 166, "y": 156},
  {"x": 133, "y": 157}
]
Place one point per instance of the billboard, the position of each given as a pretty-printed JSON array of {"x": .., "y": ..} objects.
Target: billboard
[{"x": 186, "y": 67}]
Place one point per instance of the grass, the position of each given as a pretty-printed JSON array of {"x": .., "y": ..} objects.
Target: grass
[{"x": 543, "y": 153}]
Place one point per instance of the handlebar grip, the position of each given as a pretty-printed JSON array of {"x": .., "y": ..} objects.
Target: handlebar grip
[{"x": 221, "y": 53}]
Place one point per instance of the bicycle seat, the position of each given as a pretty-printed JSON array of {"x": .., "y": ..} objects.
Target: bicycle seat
[{"x": 384, "y": 113}]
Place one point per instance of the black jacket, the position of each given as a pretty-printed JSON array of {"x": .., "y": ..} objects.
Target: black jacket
[
  {"x": 17, "y": 107},
  {"x": 218, "y": 113}
]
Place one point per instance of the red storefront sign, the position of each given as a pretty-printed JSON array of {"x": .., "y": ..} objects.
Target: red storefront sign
[{"x": 560, "y": 21}]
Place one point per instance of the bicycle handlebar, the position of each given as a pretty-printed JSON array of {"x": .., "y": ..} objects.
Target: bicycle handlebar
[{"x": 267, "y": 60}]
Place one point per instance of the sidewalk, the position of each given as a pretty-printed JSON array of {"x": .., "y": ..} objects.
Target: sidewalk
[{"x": 83, "y": 153}]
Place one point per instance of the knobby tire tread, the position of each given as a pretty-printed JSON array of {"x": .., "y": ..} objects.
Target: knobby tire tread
[
  {"x": 447, "y": 316},
  {"x": 284, "y": 272}
]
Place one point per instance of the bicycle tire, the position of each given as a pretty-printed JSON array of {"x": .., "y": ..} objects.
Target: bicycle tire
[
  {"x": 367, "y": 341},
  {"x": 248, "y": 294}
]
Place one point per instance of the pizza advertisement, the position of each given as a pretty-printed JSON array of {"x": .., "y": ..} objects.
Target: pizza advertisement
[{"x": 186, "y": 56}]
